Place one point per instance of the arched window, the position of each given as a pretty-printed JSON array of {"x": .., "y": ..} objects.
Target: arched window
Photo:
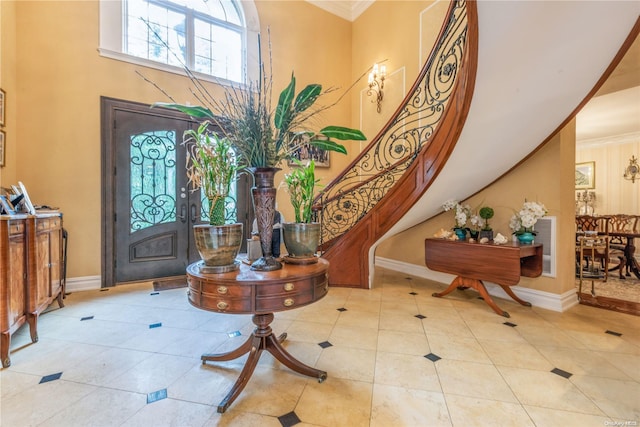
[{"x": 210, "y": 37}]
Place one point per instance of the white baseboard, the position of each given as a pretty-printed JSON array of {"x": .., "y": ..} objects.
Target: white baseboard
[
  {"x": 542, "y": 299},
  {"x": 86, "y": 283}
]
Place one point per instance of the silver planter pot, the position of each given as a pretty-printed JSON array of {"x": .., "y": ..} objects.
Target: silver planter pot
[
  {"x": 301, "y": 241},
  {"x": 218, "y": 246}
]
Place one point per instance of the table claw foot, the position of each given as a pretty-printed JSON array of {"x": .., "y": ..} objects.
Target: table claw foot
[
  {"x": 505, "y": 314},
  {"x": 282, "y": 337},
  {"x": 322, "y": 377}
]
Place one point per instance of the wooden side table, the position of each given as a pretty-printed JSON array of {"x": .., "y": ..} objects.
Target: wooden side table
[
  {"x": 474, "y": 262},
  {"x": 261, "y": 293}
]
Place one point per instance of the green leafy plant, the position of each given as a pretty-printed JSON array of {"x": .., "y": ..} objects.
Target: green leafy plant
[
  {"x": 261, "y": 136},
  {"x": 301, "y": 182},
  {"x": 486, "y": 213},
  {"x": 211, "y": 166}
]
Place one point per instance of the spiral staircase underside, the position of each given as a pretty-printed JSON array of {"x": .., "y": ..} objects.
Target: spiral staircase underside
[{"x": 537, "y": 63}]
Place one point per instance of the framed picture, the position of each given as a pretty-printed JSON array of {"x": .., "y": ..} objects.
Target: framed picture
[
  {"x": 27, "y": 201},
  {"x": 306, "y": 152},
  {"x": 2, "y": 135},
  {"x": 2, "y": 103},
  {"x": 585, "y": 175},
  {"x": 5, "y": 206}
]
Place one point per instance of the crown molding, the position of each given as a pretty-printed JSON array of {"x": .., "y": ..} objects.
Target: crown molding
[
  {"x": 609, "y": 140},
  {"x": 349, "y": 10}
]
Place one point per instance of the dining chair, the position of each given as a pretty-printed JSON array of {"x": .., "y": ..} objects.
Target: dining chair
[
  {"x": 619, "y": 223},
  {"x": 596, "y": 228}
]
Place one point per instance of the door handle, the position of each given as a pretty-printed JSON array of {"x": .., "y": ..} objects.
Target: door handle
[
  {"x": 183, "y": 213},
  {"x": 194, "y": 213}
]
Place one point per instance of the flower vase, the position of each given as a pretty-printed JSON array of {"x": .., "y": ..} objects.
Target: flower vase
[
  {"x": 461, "y": 233},
  {"x": 526, "y": 238},
  {"x": 264, "y": 206}
]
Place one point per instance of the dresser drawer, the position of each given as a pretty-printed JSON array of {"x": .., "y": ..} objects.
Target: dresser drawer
[
  {"x": 52, "y": 223},
  {"x": 16, "y": 227}
]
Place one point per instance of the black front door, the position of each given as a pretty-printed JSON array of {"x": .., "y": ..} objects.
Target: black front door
[{"x": 148, "y": 207}]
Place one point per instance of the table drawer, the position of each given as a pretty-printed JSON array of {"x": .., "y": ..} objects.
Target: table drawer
[
  {"x": 289, "y": 287},
  {"x": 219, "y": 289},
  {"x": 219, "y": 304},
  {"x": 283, "y": 302}
]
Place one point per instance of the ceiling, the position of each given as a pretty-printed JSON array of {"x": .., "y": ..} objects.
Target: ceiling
[{"x": 612, "y": 116}]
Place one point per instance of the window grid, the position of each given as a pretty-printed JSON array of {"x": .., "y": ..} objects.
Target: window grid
[{"x": 204, "y": 43}]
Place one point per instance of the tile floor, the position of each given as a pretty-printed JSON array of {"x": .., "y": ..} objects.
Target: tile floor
[{"x": 129, "y": 356}]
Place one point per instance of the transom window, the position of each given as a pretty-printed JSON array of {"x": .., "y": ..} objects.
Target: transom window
[{"x": 205, "y": 35}]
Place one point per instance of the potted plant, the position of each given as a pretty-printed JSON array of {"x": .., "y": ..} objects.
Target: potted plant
[
  {"x": 462, "y": 213},
  {"x": 211, "y": 167},
  {"x": 302, "y": 237},
  {"x": 522, "y": 222},
  {"x": 486, "y": 213},
  {"x": 263, "y": 137}
]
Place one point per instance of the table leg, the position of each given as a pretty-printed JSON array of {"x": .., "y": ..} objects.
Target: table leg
[
  {"x": 465, "y": 282},
  {"x": 509, "y": 292},
  {"x": 261, "y": 339}
]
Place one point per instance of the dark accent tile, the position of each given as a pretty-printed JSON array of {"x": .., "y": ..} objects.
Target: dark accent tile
[
  {"x": 420, "y": 316},
  {"x": 51, "y": 377},
  {"x": 104, "y": 290},
  {"x": 617, "y": 334},
  {"x": 341, "y": 309},
  {"x": 513, "y": 325},
  {"x": 234, "y": 334},
  {"x": 433, "y": 357},
  {"x": 86, "y": 318},
  {"x": 561, "y": 372},
  {"x": 408, "y": 278},
  {"x": 154, "y": 293},
  {"x": 413, "y": 293},
  {"x": 156, "y": 395},
  {"x": 155, "y": 325},
  {"x": 288, "y": 420},
  {"x": 325, "y": 344}
]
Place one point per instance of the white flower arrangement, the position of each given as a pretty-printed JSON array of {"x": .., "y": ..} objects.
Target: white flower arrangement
[
  {"x": 524, "y": 220},
  {"x": 462, "y": 212}
]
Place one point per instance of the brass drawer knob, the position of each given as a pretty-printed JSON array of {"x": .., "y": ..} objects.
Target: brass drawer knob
[
  {"x": 288, "y": 302},
  {"x": 222, "y": 305},
  {"x": 288, "y": 286},
  {"x": 222, "y": 290}
]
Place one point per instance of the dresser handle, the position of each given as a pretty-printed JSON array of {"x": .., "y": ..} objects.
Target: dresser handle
[
  {"x": 222, "y": 290},
  {"x": 288, "y": 286},
  {"x": 288, "y": 302},
  {"x": 222, "y": 305}
]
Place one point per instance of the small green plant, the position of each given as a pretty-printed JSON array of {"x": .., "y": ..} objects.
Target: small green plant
[
  {"x": 211, "y": 167},
  {"x": 486, "y": 213},
  {"x": 301, "y": 182}
]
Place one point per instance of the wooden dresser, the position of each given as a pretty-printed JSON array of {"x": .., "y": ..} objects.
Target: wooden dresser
[{"x": 31, "y": 272}]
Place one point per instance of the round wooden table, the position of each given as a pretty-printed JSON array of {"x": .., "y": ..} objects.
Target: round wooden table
[{"x": 260, "y": 293}]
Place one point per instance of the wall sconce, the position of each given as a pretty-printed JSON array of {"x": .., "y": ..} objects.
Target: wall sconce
[
  {"x": 632, "y": 171},
  {"x": 375, "y": 85}
]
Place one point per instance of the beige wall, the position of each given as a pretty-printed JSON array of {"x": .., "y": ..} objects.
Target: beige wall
[
  {"x": 55, "y": 99},
  {"x": 546, "y": 177},
  {"x": 614, "y": 194}
]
